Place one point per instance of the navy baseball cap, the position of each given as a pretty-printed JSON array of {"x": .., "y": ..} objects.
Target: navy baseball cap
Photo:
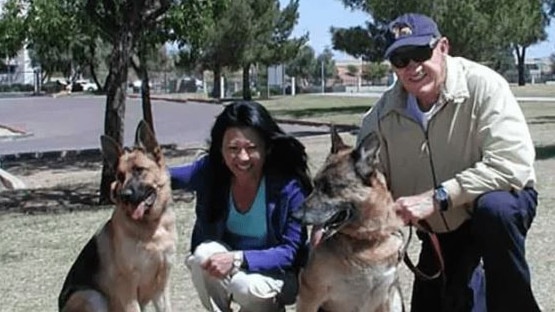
[{"x": 412, "y": 30}]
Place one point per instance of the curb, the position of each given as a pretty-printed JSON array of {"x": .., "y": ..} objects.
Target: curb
[
  {"x": 159, "y": 98},
  {"x": 67, "y": 154}
]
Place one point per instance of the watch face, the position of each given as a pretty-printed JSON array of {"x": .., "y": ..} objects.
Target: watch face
[{"x": 441, "y": 196}]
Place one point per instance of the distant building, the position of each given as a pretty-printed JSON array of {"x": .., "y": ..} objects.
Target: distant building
[
  {"x": 344, "y": 76},
  {"x": 538, "y": 68}
]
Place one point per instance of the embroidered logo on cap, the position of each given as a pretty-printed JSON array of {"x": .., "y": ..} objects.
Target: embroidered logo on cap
[{"x": 401, "y": 31}]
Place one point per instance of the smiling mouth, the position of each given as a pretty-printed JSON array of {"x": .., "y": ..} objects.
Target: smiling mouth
[
  {"x": 244, "y": 167},
  {"x": 420, "y": 74}
]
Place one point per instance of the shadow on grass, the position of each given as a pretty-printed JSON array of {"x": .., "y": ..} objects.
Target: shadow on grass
[
  {"x": 540, "y": 120},
  {"x": 545, "y": 152},
  {"x": 77, "y": 197},
  {"x": 310, "y": 112},
  {"x": 89, "y": 160},
  {"x": 51, "y": 200},
  {"x": 66, "y": 198}
]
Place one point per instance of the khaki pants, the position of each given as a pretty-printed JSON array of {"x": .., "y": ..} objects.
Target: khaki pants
[{"x": 253, "y": 292}]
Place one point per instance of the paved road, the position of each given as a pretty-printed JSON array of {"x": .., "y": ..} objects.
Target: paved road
[{"x": 76, "y": 123}]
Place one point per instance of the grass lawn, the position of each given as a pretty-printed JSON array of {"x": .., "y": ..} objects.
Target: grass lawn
[
  {"x": 313, "y": 107},
  {"x": 36, "y": 250},
  {"x": 542, "y": 90},
  {"x": 349, "y": 109}
]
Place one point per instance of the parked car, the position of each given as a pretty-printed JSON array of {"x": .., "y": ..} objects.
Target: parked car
[{"x": 84, "y": 85}]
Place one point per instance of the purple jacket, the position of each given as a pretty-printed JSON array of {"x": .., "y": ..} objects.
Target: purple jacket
[{"x": 283, "y": 196}]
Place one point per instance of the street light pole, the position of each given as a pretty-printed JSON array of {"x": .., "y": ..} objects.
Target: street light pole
[{"x": 323, "y": 81}]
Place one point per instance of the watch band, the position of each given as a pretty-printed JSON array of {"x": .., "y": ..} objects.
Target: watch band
[
  {"x": 442, "y": 198},
  {"x": 237, "y": 260}
]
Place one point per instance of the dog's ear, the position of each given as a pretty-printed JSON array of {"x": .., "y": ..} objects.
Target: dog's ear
[
  {"x": 366, "y": 155},
  {"x": 111, "y": 151},
  {"x": 337, "y": 143},
  {"x": 144, "y": 137}
]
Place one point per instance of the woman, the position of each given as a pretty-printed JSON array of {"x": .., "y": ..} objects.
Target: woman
[{"x": 245, "y": 245}]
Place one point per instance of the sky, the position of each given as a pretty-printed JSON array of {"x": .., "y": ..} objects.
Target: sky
[{"x": 317, "y": 16}]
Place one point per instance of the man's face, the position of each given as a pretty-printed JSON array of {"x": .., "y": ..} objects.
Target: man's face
[{"x": 421, "y": 69}]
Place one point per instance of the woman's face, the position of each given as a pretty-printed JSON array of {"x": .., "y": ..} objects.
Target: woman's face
[{"x": 244, "y": 152}]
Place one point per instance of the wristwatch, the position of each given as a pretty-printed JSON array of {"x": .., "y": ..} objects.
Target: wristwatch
[
  {"x": 237, "y": 260},
  {"x": 441, "y": 197}
]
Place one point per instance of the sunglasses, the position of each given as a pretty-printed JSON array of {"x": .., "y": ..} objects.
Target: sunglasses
[{"x": 402, "y": 56}]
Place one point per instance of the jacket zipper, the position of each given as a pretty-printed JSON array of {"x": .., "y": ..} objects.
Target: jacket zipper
[
  {"x": 432, "y": 167},
  {"x": 430, "y": 158}
]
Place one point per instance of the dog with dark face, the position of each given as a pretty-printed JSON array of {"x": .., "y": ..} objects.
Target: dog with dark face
[
  {"x": 354, "y": 263},
  {"x": 126, "y": 264}
]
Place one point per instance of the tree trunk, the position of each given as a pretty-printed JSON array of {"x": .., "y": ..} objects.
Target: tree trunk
[
  {"x": 246, "y": 83},
  {"x": 145, "y": 87},
  {"x": 93, "y": 74},
  {"x": 116, "y": 94},
  {"x": 92, "y": 49},
  {"x": 521, "y": 68},
  {"x": 145, "y": 95},
  {"x": 217, "y": 79}
]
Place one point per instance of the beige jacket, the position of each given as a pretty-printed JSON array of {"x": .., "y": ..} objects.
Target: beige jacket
[{"x": 477, "y": 141}]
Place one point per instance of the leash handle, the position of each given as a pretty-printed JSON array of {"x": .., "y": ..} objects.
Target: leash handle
[{"x": 437, "y": 250}]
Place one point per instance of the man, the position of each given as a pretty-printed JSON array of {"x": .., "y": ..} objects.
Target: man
[{"x": 458, "y": 157}]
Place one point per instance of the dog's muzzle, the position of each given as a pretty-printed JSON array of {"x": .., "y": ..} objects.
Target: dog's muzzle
[
  {"x": 336, "y": 223},
  {"x": 329, "y": 219},
  {"x": 141, "y": 196}
]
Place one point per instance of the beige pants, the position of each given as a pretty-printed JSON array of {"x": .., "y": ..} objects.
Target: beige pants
[{"x": 253, "y": 292}]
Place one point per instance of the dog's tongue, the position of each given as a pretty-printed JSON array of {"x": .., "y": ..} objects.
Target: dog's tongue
[
  {"x": 139, "y": 211},
  {"x": 316, "y": 237}
]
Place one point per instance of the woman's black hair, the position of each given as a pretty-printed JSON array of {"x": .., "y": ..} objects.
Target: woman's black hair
[{"x": 286, "y": 156}]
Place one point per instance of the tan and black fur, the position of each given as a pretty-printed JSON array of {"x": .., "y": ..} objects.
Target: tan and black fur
[
  {"x": 126, "y": 264},
  {"x": 355, "y": 266}
]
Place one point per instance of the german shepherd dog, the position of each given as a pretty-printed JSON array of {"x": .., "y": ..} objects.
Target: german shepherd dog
[
  {"x": 126, "y": 264},
  {"x": 354, "y": 265}
]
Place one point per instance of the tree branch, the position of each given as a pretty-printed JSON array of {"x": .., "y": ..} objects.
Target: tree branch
[
  {"x": 104, "y": 23},
  {"x": 151, "y": 15}
]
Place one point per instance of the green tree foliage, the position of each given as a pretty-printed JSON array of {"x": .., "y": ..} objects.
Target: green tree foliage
[
  {"x": 121, "y": 22},
  {"x": 259, "y": 24},
  {"x": 531, "y": 28},
  {"x": 52, "y": 34},
  {"x": 282, "y": 46},
  {"x": 374, "y": 71},
  {"x": 352, "y": 70},
  {"x": 477, "y": 29},
  {"x": 191, "y": 25},
  {"x": 302, "y": 66},
  {"x": 242, "y": 33},
  {"x": 12, "y": 28},
  {"x": 307, "y": 68},
  {"x": 362, "y": 43},
  {"x": 224, "y": 41},
  {"x": 324, "y": 65}
]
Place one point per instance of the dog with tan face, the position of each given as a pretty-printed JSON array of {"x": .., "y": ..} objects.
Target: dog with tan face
[
  {"x": 354, "y": 263},
  {"x": 126, "y": 264}
]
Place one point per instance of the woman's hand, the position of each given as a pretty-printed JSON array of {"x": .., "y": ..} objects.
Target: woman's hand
[
  {"x": 415, "y": 208},
  {"x": 219, "y": 265}
]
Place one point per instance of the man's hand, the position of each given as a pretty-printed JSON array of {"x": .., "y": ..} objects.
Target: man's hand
[
  {"x": 219, "y": 264},
  {"x": 415, "y": 208}
]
